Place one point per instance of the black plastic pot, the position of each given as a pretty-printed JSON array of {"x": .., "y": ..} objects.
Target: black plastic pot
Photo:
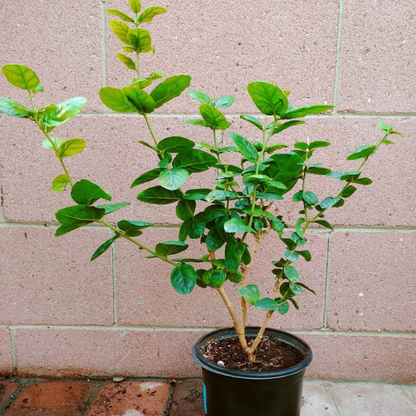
[{"x": 244, "y": 393}]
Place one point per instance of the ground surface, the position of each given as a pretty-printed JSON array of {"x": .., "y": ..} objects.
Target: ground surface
[{"x": 23, "y": 397}]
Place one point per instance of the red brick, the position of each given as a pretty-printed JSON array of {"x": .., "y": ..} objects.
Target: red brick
[
  {"x": 46, "y": 283},
  {"x": 6, "y": 368},
  {"x": 372, "y": 275},
  {"x": 362, "y": 358},
  {"x": 229, "y": 44},
  {"x": 51, "y": 399},
  {"x": 107, "y": 353},
  {"x": 378, "y": 57},
  {"x": 7, "y": 390},
  {"x": 131, "y": 398},
  {"x": 187, "y": 399},
  {"x": 64, "y": 49}
]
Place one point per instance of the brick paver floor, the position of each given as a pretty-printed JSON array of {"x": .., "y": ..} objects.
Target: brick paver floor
[{"x": 24, "y": 397}]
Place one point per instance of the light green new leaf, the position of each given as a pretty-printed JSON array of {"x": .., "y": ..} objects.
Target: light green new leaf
[
  {"x": 135, "y": 6},
  {"x": 127, "y": 61},
  {"x": 268, "y": 98},
  {"x": 170, "y": 88},
  {"x": 252, "y": 120},
  {"x": 104, "y": 247},
  {"x": 140, "y": 40},
  {"x": 13, "y": 108},
  {"x": 224, "y": 102},
  {"x": 159, "y": 196},
  {"x": 116, "y": 100},
  {"x": 140, "y": 99},
  {"x": 363, "y": 152},
  {"x": 46, "y": 144},
  {"x": 60, "y": 183},
  {"x": 70, "y": 147},
  {"x": 121, "y": 15},
  {"x": 173, "y": 178},
  {"x": 200, "y": 123},
  {"x": 86, "y": 192},
  {"x": 55, "y": 115},
  {"x": 250, "y": 293},
  {"x": 121, "y": 30},
  {"x": 285, "y": 126},
  {"x": 21, "y": 76},
  {"x": 183, "y": 278},
  {"x": 246, "y": 148},
  {"x": 235, "y": 225},
  {"x": 304, "y": 111},
  {"x": 213, "y": 117},
  {"x": 201, "y": 97},
  {"x": 149, "y": 13}
]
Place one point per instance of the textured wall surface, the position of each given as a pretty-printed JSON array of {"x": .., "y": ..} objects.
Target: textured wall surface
[{"x": 61, "y": 314}]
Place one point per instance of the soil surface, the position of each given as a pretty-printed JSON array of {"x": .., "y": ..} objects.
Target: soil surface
[{"x": 271, "y": 354}]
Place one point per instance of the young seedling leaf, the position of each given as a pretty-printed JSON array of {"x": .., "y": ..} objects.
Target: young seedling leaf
[
  {"x": 121, "y": 15},
  {"x": 224, "y": 102},
  {"x": 121, "y": 30},
  {"x": 135, "y": 6},
  {"x": 140, "y": 40},
  {"x": 116, "y": 100},
  {"x": 285, "y": 126},
  {"x": 127, "y": 61},
  {"x": 148, "y": 14},
  {"x": 252, "y": 120},
  {"x": 201, "y": 97},
  {"x": 213, "y": 117},
  {"x": 141, "y": 100},
  {"x": 13, "y": 108},
  {"x": 268, "y": 98},
  {"x": 60, "y": 183},
  {"x": 70, "y": 147},
  {"x": 21, "y": 76},
  {"x": 55, "y": 115}
]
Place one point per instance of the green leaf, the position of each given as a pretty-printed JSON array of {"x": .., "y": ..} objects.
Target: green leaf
[
  {"x": 60, "y": 183},
  {"x": 140, "y": 99},
  {"x": 170, "y": 88},
  {"x": 252, "y": 120},
  {"x": 121, "y": 30},
  {"x": 304, "y": 111},
  {"x": 363, "y": 152},
  {"x": 173, "y": 179},
  {"x": 305, "y": 254},
  {"x": 348, "y": 191},
  {"x": 310, "y": 198},
  {"x": 121, "y": 15},
  {"x": 169, "y": 248},
  {"x": 235, "y": 225},
  {"x": 135, "y": 6},
  {"x": 362, "y": 181},
  {"x": 285, "y": 126},
  {"x": 159, "y": 196},
  {"x": 270, "y": 195},
  {"x": 70, "y": 147},
  {"x": 46, "y": 144},
  {"x": 213, "y": 212},
  {"x": 149, "y": 13},
  {"x": 291, "y": 272},
  {"x": 306, "y": 287},
  {"x": 246, "y": 148},
  {"x": 218, "y": 277},
  {"x": 77, "y": 216},
  {"x": 126, "y": 61},
  {"x": 21, "y": 76},
  {"x": 201, "y": 97},
  {"x": 197, "y": 194},
  {"x": 200, "y": 123},
  {"x": 224, "y": 102},
  {"x": 116, "y": 100},
  {"x": 185, "y": 210},
  {"x": 329, "y": 202},
  {"x": 175, "y": 144},
  {"x": 297, "y": 290},
  {"x": 268, "y": 98},
  {"x": 213, "y": 117},
  {"x": 133, "y": 228},
  {"x": 55, "y": 115},
  {"x": 317, "y": 144},
  {"x": 235, "y": 277},
  {"x": 286, "y": 169},
  {"x": 183, "y": 278},
  {"x": 221, "y": 196},
  {"x": 104, "y": 247},
  {"x": 250, "y": 293},
  {"x": 266, "y": 304},
  {"x": 109, "y": 208},
  {"x": 283, "y": 308},
  {"x": 86, "y": 192},
  {"x": 325, "y": 224},
  {"x": 196, "y": 226},
  {"x": 13, "y": 108},
  {"x": 233, "y": 253},
  {"x": 214, "y": 241},
  {"x": 291, "y": 255},
  {"x": 147, "y": 177},
  {"x": 194, "y": 160},
  {"x": 140, "y": 40}
]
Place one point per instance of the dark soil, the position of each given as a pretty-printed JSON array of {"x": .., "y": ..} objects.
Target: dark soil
[{"x": 271, "y": 354}]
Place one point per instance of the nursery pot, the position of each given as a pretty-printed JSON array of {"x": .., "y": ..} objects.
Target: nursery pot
[{"x": 245, "y": 393}]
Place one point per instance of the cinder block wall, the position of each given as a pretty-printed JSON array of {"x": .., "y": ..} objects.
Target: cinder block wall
[{"x": 62, "y": 315}]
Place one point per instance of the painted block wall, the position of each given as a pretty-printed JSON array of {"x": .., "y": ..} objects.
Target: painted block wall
[{"x": 62, "y": 315}]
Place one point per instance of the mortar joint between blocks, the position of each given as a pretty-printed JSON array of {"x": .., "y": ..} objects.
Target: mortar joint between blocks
[
  {"x": 104, "y": 42},
  {"x": 13, "y": 350},
  {"x": 328, "y": 390},
  {"x": 338, "y": 57}
]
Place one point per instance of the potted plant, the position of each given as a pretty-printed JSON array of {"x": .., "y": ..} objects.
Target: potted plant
[{"x": 246, "y": 370}]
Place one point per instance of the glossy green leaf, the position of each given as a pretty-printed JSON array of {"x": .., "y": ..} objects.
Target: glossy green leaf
[
  {"x": 170, "y": 88},
  {"x": 70, "y": 147},
  {"x": 224, "y": 102},
  {"x": 324, "y": 223},
  {"x": 13, "y": 108},
  {"x": 285, "y": 126},
  {"x": 60, "y": 183},
  {"x": 200, "y": 96},
  {"x": 363, "y": 152},
  {"x": 362, "y": 181},
  {"x": 305, "y": 254},
  {"x": 77, "y": 216},
  {"x": 213, "y": 117},
  {"x": 234, "y": 251},
  {"x": 116, "y": 100},
  {"x": 148, "y": 14},
  {"x": 159, "y": 196},
  {"x": 329, "y": 202},
  {"x": 121, "y": 30},
  {"x": 250, "y": 293},
  {"x": 218, "y": 277},
  {"x": 183, "y": 278},
  {"x": 310, "y": 198},
  {"x": 317, "y": 144},
  {"x": 175, "y": 144},
  {"x": 197, "y": 194},
  {"x": 194, "y": 160},
  {"x": 121, "y": 15},
  {"x": 55, "y": 115},
  {"x": 221, "y": 196},
  {"x": 283, "y": 308},
  {"x": 173, "y": 179},
  {"x": 348, "y": 191},
  {"x": 196, "y": 226},
  {"x": 270, "y": 195},
  {"x": 86, "y": 192},
  {"x": 185, "y": 209},
  {"x": 147, "y": 177},
  {"x": 126, "y": 61},
  {"x": 235, "y": 225},
  {"x": 109, "y": 208},
  {"x": 246, "y": 148},
  {"x": 291, "y": 255},
  {"x": 285, "y": 168},
  {"x": 297, "y": 290},
  {"x": 268, "y": 98},
  {"x": 140, "y": 99},
  {"x": 133, "y": 228},
  {"x": 104, "y": 247},
  {"x": 214, "y": 241},
  {"x": 168, "y": 248},
  {"x": 266, "y": 304},
  {"x": 291, "y": 272},
  {"x": 21, "y": 76},
  {"x": 252, "y": 120},
  {"x": 304, "y": 111}
]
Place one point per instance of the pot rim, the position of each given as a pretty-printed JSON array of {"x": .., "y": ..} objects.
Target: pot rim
[{"x": 283, "y": 336}]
